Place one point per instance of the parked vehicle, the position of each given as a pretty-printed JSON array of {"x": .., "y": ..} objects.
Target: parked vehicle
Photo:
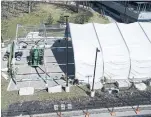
[{"x": 6, "y": 56}]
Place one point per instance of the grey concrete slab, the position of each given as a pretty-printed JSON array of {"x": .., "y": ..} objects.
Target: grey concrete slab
[
  {"x": 40, "y": 84},
  {"x": 23, "y": 70},
  {"x": 11, "y": 86},
  {"x": 27, "y": 70},
  {"x": 25, "y": 53},
  {"x": 48, "y": 52},
  {"x": 52, "y": 83},
  {"x": 38, "y": 77},
  {"x": 50, "y": 59},
  {"x": 55, "y": 66},
  {"x": 62, "y": 82},
  {"x": 3, "y": 64},
  {"x": 22, "y": 61}
]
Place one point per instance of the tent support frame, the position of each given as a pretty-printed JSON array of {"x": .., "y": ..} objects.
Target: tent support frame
[
  {"x": 144, "y": 32},
  {"x": 127, "y": 48},
  {"x": 101, "y": 49}
]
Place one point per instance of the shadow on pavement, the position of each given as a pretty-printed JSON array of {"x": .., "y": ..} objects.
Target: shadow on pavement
[{"x": 60, "y": 56}]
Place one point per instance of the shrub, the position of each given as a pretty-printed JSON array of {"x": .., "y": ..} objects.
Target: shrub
[
  {"x": 62, "y": 19},
  {"x": 81, "y": 19},
  {"x": 50, "y": 19}
]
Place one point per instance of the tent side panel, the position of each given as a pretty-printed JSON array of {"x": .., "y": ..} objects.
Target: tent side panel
[
  {"x": 115, "y": 53},
  {"x": 84, "y": 45},
  {"x": 139, "y": 47}
]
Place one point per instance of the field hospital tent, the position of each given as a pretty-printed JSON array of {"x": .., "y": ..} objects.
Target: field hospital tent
[
  {"x": 140, "y": 50},
  {"x": 125, "y": 50},
  {"x": 146, "y": 28},
  {"x": 84, "y": 43}
]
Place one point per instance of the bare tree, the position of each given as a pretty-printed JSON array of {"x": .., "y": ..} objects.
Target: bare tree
[
  {"x": 83, "y": 4},
  {"x": 66, "y": 2},
  {"x": 62, "y": 19},
  {"x": 2, "y": 40},
  {"x": 50, "y": 19},
  {"x": 77, "y": 6},
  {"x": 29, "y": 6},
  {"x": 13, "y": 5}
]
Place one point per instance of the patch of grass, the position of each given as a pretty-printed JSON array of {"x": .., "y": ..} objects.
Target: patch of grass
[
  {"x": 10, "y": 97},
  {"x": 56, "y": 34},
  {"x": 97, "y": 18},
  {"x": 41, "y": 14},
  {"x": 9, "y": 26}
]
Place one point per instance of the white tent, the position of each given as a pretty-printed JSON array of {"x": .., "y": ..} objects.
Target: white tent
[
  {"x": 115, "y": 52},
  {"x": 146, "y": 27},
  {"x": 84, "y": 46},
  {"x": 140, "y": 50},
  {"x": 125, "y": 50}
]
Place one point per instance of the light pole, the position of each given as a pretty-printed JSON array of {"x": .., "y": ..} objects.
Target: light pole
[
  {"x": 17, "y": 32},
  {"x": 2, "y": 42},
  {"x": 88, "y": 76},
  {"x": 92, "y": 93},
  {"x": 67, "y": 52}
]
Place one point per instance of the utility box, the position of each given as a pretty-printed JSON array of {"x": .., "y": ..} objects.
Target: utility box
[
  {"x": 55, "y": 89},
  {"x": 97, "y": 85},
  {"x": 140, "y": 86},
  {"x": 123, "y": 84},
  {"x": 2, "y": 45},
  {"x": 26, "y": 91},
  {"x": 149, "y": 83}
]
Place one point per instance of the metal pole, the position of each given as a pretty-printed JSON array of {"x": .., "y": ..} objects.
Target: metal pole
[
  {"x": 125, "y": 15},
  {"x": 44, "y": 42},
  {"x": 2, "y": 39},
  {"x": 145, "y": 7},
  {"x": 95, "y": 68},
  {"x": 17, "y": 33},
  {"x": 66, "y": 50}
]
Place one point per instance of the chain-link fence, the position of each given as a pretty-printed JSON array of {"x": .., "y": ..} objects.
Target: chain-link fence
[{"x": 14, "y": 9}]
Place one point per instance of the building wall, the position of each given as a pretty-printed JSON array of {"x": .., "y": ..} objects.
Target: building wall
[{"x": 124, "y": 11}]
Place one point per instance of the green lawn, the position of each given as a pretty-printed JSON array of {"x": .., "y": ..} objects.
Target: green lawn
[{"x": 40, "y": 15}]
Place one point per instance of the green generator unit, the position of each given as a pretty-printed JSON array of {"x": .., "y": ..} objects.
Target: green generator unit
[{"x": 36, "y": 57}]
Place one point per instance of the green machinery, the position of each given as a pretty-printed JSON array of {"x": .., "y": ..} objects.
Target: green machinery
[{"x": 36, "y": 57}]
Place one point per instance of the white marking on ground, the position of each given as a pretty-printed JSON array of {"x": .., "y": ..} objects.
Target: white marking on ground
[{"x": 9, "y": 84}]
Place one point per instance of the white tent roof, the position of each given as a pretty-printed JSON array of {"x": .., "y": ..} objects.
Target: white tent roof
[
  {"x": 146, "y": 27},
  {"x": 139, "y": 47},
  {"x": 115, "y": 53},
  {"x": 84, "y": 46},
  {"x": 124, "y": 50}
]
